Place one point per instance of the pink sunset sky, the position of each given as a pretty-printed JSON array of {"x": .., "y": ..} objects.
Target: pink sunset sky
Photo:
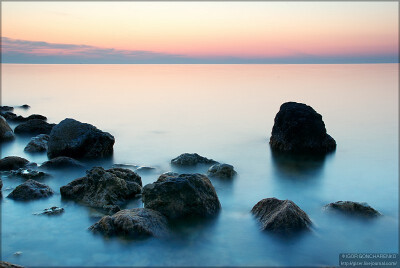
[{"x": 191, "y": 32}]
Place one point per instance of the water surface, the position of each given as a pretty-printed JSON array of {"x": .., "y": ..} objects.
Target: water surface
[{"x": 224, "y": 112}]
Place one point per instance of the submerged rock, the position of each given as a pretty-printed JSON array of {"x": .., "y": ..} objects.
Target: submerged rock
[
  {"x": 37, "y": 144},
  {"x": 62, "y": 162},
  {"x": 25, "y": 106},
  {"x": 34, "y": 127},
  {"x": 182, "y": 196},
  {"x": 31, "y": 190},
  {"x": 103, "y": 187},
  {"x": 75, "y": 139},
  {"x": 28, "y": 174},
  {"x": 13, "y": 163},
  {"x": 6, "y": 132},
  {"x": 280, "y": 215},
  {"x": 133, "y": 223},
  {"x": 187, "y": 159},
  {"x": 354, "y": 208},
  {"x": 51, "y": 211},
  {"x": 6, "y": 108},
  {"x": 298, "y": 128},
  {"x": 223, "y": 171}
]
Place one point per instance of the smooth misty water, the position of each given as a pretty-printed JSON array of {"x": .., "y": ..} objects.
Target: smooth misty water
[{"x": 224, "y": 112}]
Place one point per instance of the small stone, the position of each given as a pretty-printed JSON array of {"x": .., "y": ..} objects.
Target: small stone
[
  {"x": 51, "y": 211},
  {"x": 30, "y": 190},
  {"x": 223, "y": 171},
  {"x": 354, "y": 208},
  {"x": 187, "y": 159}
]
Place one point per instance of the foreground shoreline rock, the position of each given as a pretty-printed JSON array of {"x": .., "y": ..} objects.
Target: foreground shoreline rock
[
  {"x": 181, "y": 196},
  {"x": 103, "y": 188},
  {"x": 79, "y": 140},
  {"x": 298, "y": 128},
  {"x": 282, "y": 216},
  {"x": 6, "y": 133},
  {"x": 133, "y": 223}
]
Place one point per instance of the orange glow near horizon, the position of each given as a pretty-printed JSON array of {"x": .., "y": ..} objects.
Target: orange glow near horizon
[{"x": 204, "y": 29}]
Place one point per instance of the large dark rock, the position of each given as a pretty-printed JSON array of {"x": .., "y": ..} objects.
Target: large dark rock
[
  {"x": 100, "y": 187},
  {"x": 12, "y": 163},
  {"x": 354, "y": 208},
  {"x": 6, "y": 132},
  {"x": 280, "y": 215},
  {"x": 298, "y": 128},
  {"x": 31, "y": 190},
  {"x": 75, "y": 139},
  {"x": 133, "y": 223},
  {"x": 223, "y": 171},
  {"x": 182, "y": 196},
  {"x": 34, "y": 127},
  {"x": 62, "y": 162},
  {"x": 37, "y": 144},
  {"x": 187, "y": 159}
]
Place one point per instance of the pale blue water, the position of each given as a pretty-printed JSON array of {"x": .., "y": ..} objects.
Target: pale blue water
[{"x": 224, "y": 112}]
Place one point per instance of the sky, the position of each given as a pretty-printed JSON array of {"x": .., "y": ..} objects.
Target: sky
[{"x": 200, "y": 32}]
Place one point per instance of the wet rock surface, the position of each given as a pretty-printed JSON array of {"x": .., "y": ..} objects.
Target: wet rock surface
[
  {"x": 101, "y": 187},
  {"x": 30, "y": 190},
  {"x": 79, "y": 140},
  {"x": 298, "y": 128},
  {"x": 187, "y": 159},
  {"x": 34, "y": 127},
  {"x": 223, "y": 171},
  {"x": 27, "y": 173},
  {"x": 133, "y": 223},
  {"x": 185, "y": 195},
  {"x": 62, "y": 162},
  {"x": 12, "y": 163},
  {"x": 6, "y": 132},
  {"x": 51, "y": 211},
  {"x": 280, "y": 215},
  {"x": 37, "y": 144},
  {"x": 354, "y": 208}
]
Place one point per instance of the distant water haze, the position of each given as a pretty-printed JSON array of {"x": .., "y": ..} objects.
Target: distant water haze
[{"x": 223, "y": 112}]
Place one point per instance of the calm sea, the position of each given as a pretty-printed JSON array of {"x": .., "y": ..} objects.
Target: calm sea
[{"x": 224, "y": 112}]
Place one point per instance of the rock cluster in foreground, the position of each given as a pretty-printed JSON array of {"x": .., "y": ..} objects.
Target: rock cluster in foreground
[
  {"x": 280, "y": 215},
  {"x": 100, "y": 188},
  {"x": 133, "y": 223},
  {"x": 298, "y": 128},
  {"x": 179, "y": 196}
]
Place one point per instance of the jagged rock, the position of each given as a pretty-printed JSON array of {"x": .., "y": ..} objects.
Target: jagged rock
[
  {"x": 75, "y": 139},
  {"x": 187, "y": 159},
  {"x": 31, "y": 190},
  {"x": 62, "y": 162},
  {"x": 298, "y": 128},
  {"x": 28, "y": 174},
  {"x": 354, "y": 208},
  {"x": 223, "y": 171},
  {"x": 103, "y": 187},
  {"x": 37, "y": 144},
  {"x": 34, "y": 127},
  {"x": 51, "y": 211},
  {"x": 13, "y": 163},
  {"x": 280, "y": 215},
  {"x": 6, "y": 132},
  {"x": 182, "y": 196},
  {"x": 133, "y": 223}
]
